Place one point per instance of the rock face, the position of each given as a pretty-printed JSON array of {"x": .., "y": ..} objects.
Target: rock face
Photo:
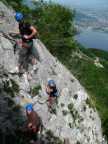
[
  {"x": 7, "y": 21},
  {"x": 74, "y": 118}
]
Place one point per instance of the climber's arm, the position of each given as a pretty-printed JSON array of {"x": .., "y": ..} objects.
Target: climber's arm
[{"x": 34, "y": 33}]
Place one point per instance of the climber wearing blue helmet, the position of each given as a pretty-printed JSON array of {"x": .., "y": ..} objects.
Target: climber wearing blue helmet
[
  {"x": 27, "y": 33},
  {"x": 34, "y": 123},
  {"x": 52, "y": 92},
  {"x": 29, "y": 108},
  {"x": 51, "y": 83}
]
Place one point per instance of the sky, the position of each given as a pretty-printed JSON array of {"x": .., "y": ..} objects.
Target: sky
[
  {"x": 82, "y": 4},
  {"x": 91, "y": 4}
]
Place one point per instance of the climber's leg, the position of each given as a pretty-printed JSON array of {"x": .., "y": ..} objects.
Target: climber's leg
[
  {"x": 34, "y": 54},
  {"x": 50, "y": 102},
  {"x": 33, "y": 61}
]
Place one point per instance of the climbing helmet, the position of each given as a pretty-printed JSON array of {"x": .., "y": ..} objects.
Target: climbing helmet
[{"x": 19, "y": 16}]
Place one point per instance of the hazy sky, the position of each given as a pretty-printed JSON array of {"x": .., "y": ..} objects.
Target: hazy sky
[
  {"x": 92, "y": 4},
  {"x": 84, "y": 4}
]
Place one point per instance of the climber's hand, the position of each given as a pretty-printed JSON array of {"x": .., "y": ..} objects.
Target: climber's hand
[
  {"x": 30, "y": 125},
  {"x": 26, "y": 37}
]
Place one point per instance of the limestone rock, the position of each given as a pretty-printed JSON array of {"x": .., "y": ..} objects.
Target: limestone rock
[{"x": 75, "y": 119}]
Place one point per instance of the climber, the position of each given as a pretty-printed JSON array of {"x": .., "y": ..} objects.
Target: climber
[
  {"x": 52, "y": 92},
  {"x": 34, "y": 124},
  {"x": 27, "y": 33}
]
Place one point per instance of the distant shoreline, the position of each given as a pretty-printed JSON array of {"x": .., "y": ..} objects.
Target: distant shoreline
[{"x": 91, "y": 38}]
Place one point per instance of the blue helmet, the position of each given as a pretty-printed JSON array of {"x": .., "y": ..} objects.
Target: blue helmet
[
  {"x": 29, "y": 107},
  {"x": 19, "y": 16},
  {"x": 51, "y": 83}
]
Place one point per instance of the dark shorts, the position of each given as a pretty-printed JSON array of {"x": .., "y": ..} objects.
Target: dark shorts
[
  {"x": 32, "y": 50},
  {"x": 26, "y": 54}
]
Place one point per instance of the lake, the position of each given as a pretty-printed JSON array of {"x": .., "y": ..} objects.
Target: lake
[{"x": 91, "y": 20}]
